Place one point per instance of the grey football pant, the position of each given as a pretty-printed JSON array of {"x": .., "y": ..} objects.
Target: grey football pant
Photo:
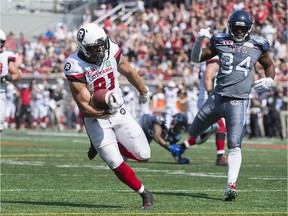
[{"x": 233, "y": 110}]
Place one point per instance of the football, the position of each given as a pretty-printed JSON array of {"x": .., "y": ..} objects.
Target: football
[{"x": 100, "y": 98}]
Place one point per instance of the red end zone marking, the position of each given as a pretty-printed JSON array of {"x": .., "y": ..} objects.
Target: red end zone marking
[
  {"x": 18, "y": 144},
  {"x": 266, "y": 146}
]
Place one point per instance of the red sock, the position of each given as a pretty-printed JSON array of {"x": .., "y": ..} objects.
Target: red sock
[
  {"x": 43, "y": 120},
  {"x": 220, "y": 141},
  {"x": 220, "y": 136},
  {"x": 191, "y": 141},
  {"x": 125, "y": 153},
  {"x": 127, "y": 176}
]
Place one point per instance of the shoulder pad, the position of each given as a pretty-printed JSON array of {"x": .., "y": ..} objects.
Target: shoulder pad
[
  {"x": 159, "y": 119},
  {"x": 218, "y": 38},
  {"x": 69, "y": 66},
  {"x": 114, "y": 48},
  {"x": 10, "y": 53},
  {"x": 260, "y": 42},
  {"x": 72, "y": 72}
]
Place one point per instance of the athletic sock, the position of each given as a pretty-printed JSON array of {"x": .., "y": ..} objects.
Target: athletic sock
[
  {"x": 128, "y": 177},
  {"x": 234, "y": 164}
]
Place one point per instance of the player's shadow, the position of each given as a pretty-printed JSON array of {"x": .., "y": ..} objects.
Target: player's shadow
[
  {"x": 164, "y": 162},
  {"x": 195, "y": 195},
  {"x": 62, "y": 204},
  {"x": 156, "y": 162}
]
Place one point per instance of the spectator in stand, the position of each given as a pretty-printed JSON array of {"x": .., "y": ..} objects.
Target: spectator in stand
[
  {"x": 61, "y": 33},
  {"x": 49, "y": 36}
]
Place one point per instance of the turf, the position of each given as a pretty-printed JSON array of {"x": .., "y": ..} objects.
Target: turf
[{"x": 48, "y": 173}]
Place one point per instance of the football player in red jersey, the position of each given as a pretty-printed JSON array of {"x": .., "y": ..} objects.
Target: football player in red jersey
[
  {"x": 96, "y": 65},
  {"x": 8, "y": 72}
]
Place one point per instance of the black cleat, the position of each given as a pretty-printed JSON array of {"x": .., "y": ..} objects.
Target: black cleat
[
  {"x": 230, "y": 193},
  {"x": 92, "y": 152},
  {"x": 148, "y": 199}
]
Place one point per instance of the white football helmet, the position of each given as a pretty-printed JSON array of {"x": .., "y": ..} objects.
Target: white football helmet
[
  {"x": 93, "y": 42},
  {"x": 2, "y": 38},
  {"x": 172, "y": 84},
  {"x": 126, "y": 89}
]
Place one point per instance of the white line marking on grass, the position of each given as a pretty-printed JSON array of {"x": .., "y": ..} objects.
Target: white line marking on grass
[
  {"x": 268, "y": 178},
  {"x": 129, "y": 191},
  {"x": 144, "y": 213},
  {"x": 97, "y": 167},
  {"x": 25, "y": 163},
  {"x": 56, "y": 134}
]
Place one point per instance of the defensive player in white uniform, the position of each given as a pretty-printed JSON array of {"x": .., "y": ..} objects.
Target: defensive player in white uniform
[
  {"x": 10, "y": 106},
  {"x": 97, "y": 65},
  {"x": 129, "y": 98},
  {"x": 40, "y": 98},
  {"x": 8, "y": 72},
  {"x": 171, "y": 97}
]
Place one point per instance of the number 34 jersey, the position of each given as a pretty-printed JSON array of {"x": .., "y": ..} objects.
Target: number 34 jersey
[
  {"x": 104, "y": 76},
  {"x": 237, "y": 62}
]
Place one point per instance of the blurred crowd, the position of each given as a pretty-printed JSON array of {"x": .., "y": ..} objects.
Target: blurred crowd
[{"x": 158, "y": 43}]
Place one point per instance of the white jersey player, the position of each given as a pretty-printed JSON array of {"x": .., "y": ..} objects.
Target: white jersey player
[
  {"x": 8, "y": 72},
  {"x": 171, "y": 97},
  {"x": 143, "y": 109},
  {"x": 129, "y": 98},
  {"x": 10, "y": 106},
  {"x": 97, "y": 65},
  {"x": 40, "y": 105}
]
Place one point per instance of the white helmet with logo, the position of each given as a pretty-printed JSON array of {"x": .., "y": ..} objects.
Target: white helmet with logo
[
  {"x": 2, "y": 38},
  {"x": 93, "y": 42}
]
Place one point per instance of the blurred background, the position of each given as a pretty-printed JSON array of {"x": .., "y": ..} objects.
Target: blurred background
[{"x": 156, "y": 36}]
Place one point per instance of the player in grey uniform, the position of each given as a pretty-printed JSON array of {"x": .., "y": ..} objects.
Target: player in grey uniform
[
  {"x": 166, "y": 130},
  {"x": 238, "y": 52}
]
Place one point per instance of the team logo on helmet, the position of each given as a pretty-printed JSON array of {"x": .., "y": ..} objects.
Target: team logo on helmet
[{"x": 81, "y": 34}]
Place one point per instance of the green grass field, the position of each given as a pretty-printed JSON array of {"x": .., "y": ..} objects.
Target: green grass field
[{"x": 46, "y": 173}]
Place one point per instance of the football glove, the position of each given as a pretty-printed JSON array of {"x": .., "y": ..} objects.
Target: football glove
[
  {"x": 263, "y": 84},
  {"x": 143, "y": 98},
  {"x": 176, "y": 150},
  {"x": 203, "y": 33},
  {"x": 114, "y": 104},
  {"x": 7, "y": 77}
]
